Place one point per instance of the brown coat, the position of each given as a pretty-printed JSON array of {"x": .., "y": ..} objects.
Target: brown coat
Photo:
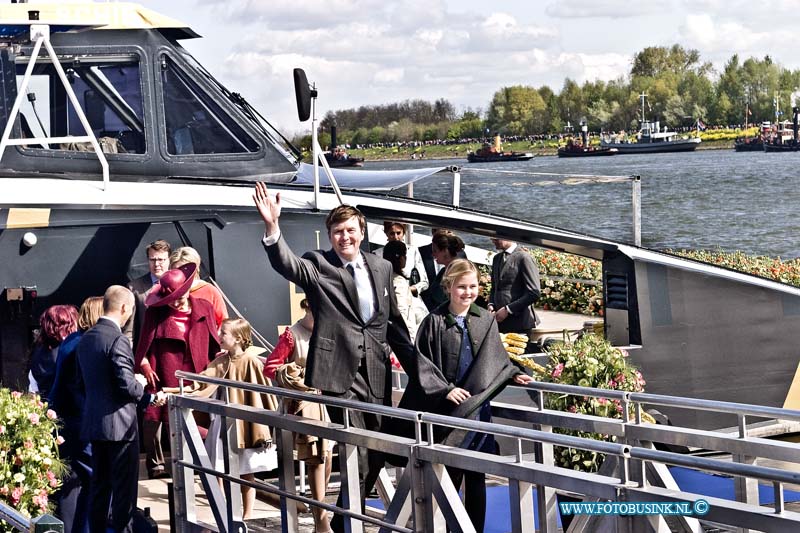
[{"x": 246, "y": 368}]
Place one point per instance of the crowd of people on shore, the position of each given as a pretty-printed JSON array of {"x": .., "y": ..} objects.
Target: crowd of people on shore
[{"x": 108, "y": 368}]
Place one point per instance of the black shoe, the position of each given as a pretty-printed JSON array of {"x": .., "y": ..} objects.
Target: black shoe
[{"x": 158, "y": 473}]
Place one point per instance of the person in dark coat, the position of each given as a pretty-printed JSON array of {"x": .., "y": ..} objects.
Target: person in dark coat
[
  {"x": 461, "y": 365},
  {"x": 515, "y": 288},
  {"x": 56, "y": 323},
  {"x": 356, "y": 319},
  {"x": 109, "y": 413},
  {"x": 447, "y": 247},
  {"x": 179, "y": 333},
  {"x": 67, "y": 398}
]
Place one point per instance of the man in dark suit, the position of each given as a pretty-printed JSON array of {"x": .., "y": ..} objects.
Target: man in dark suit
[
  {"x": 515, "y": 288},
  {"x": 109, "y": 414},
  {"x": 158, "y": 263},
  {"x": 356, "y": 320}
]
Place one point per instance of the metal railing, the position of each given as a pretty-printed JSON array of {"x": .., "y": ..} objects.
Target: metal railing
[
  {"x": 41, "y": 524},
  {"x": 424, "y": 498}
]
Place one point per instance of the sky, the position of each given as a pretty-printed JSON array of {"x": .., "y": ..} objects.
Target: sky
[{"x": 361, "y": 52}]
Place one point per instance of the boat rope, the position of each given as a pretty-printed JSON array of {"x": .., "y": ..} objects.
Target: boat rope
[{"x": 592, "y": 177}]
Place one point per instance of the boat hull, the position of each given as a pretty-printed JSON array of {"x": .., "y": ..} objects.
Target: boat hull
[
  {"x": 749, "y": 146},
  {"x": 498, "y": 158},
  {"x": 594, "y": 152},
  {"x": 777, "y": 148},
  {"x": 684, "y": 145}
]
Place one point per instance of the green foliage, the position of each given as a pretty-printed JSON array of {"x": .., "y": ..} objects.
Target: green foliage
[
  {"x": 680, "y": 88},
  {"x": 30, "y": 468},
  {"x": 590, "y": 361}
]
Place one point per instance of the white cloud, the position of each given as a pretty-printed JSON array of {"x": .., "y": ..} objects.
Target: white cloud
[{"x": 603, "y": 9}]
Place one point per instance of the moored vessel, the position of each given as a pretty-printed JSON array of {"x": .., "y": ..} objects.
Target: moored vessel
[
  {"x": 651, "y": 139},
  {"x": 493, "y": 153}
]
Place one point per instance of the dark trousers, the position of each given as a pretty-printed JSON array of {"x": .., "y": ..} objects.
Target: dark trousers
[
  {"x": 115, "y": 478},
  {"x": 154, "y": 452},
  {"x": 369, "y": 462},
  {"x": 474, "y": 494}
]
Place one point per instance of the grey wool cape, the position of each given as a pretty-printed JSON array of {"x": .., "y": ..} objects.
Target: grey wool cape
[{"x": 435, "y": 368}]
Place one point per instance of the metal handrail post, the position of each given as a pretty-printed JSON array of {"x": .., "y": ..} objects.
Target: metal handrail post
[{"x": 636, "y": 205}]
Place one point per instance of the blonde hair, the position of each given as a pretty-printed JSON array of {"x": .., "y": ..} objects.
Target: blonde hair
[
  {"x": 91, "y": 310},
  {"x": 183, "y": 256},
  {"x": 456, "y": 269},
  {"x": 241, "y": 330}
]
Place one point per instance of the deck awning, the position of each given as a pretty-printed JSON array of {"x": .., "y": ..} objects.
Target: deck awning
[{"x": 366, "y": 180}]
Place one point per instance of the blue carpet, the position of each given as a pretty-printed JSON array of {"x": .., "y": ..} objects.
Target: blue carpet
[{"x": 688, "y": 480}]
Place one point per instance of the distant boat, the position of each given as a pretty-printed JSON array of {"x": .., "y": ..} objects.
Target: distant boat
[
  {"x": 339, "y": 158},
  {"x": 581, "y": 151},
  {"x": 755, "y": 144},
  {"x": 494, "y": 153},
  {"x": 784, "y": 138},
  {"x": 651, "y": 139}
]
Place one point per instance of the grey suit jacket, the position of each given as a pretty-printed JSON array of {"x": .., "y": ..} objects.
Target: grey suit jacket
[
  {"x": 112, "y": 394},
  {"x": 341, "y": 338},
  {"x": 517, "y": 286},
  {"x": 133, "y": 326}
]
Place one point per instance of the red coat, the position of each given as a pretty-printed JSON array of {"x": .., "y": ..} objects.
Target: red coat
[{"x": 167, "y": 351}]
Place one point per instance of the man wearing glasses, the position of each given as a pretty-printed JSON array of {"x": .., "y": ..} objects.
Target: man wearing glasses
[{"x": 158, "y": 261}]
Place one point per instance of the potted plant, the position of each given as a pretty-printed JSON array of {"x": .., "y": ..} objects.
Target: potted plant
[
  {"x": 30, "y": 468},
  {"x": 589, "y": 361}
]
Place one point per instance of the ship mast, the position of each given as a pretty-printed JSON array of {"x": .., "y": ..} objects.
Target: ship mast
[{"x": 642, "y": 97}]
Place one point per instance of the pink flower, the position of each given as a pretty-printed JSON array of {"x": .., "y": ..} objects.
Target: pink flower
[
  {"x": 16, "y": 495},
  {"x": 612, "y": 383},
  {"x": 60, "y": 440},
  {"x": 16, "y": 394},
  {"x": 4, "y": 490},
  {"x": 558, "y": 370},
  {"x": 602, "y": 401},
  {"x": 34, "y": 418},
  {"x": 52, "y": 479},
  {"x": 51, "y": 414},
  {"x": 2, "y": 430},
  {"x": 28, "y": 444}
]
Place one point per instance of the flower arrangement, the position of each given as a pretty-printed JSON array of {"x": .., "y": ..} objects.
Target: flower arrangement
[
  {"x": 569, "y": 282},
  {"x": 30, "y": 468},
  {"x": 589, "y": 361},
  {"x": 776, "y": 269}
]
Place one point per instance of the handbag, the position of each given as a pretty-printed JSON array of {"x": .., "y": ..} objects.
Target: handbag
[{"x": 414, "y": 278}]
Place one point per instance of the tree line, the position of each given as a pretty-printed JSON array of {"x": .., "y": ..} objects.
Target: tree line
[{"x": 681, "y": 88}]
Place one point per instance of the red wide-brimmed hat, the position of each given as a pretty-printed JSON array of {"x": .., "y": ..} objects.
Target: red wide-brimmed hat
[{"x": 172, "y": 285}]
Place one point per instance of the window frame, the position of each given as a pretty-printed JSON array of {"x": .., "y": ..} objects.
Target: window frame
[
  {"x": 67, "y": 54},
  {"x": 186, "y": 69}
]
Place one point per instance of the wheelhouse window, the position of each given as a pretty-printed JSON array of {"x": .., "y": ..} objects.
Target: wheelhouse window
[
  {"x": 109, "y": 92},
  {"x": 195, "y": 123}
]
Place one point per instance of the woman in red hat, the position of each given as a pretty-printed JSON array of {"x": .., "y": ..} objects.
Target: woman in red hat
[{"x": 179, "y": 332}]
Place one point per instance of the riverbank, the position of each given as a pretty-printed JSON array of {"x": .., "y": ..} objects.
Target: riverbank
[{"x": 715, "y": 140}]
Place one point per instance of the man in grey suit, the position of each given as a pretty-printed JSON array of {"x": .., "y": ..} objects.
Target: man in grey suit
[
  {"x": 515, "y": 288},
  {"x": 356, "y": 320},
  {"x": 158, "y": 263},
  {"x": 109, "y": 414}
]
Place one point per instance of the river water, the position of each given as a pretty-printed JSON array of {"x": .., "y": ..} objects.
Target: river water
[{"x": 702, "y": 200}]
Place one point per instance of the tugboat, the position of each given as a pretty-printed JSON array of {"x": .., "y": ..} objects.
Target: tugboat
[
  {"x": 582, "y": 149},
  {"x": 651, "y": 139},
  {"x": 784, "y": 138},
  {"x": 338, "y": 157},
  {"x": 494, "y": 154}
]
